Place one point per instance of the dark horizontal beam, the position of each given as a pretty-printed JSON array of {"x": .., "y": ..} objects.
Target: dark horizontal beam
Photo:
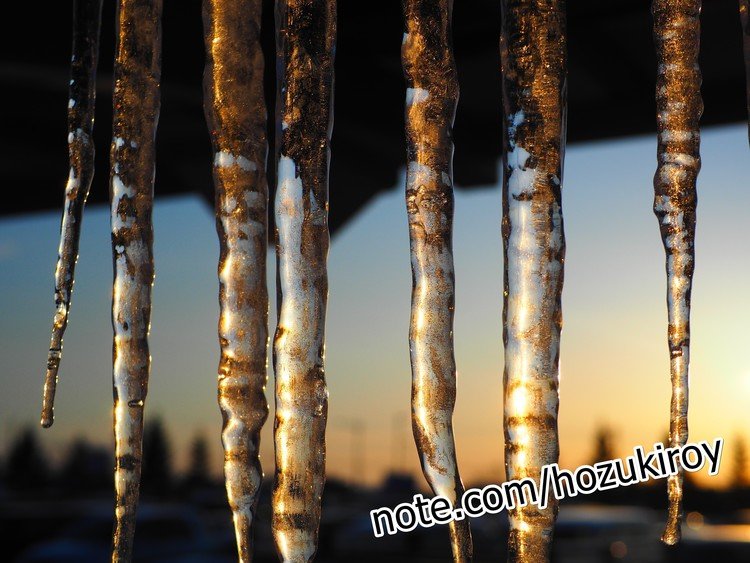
[{"x": 611, "y": 94}]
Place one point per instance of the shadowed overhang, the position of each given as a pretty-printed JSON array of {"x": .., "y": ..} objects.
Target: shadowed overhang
[{"x": 611, "y": 93}]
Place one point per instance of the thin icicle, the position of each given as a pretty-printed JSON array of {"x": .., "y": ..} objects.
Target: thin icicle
[
  {"x": 745, "y": 19},
  {"x": 432, "y": 95},
  {"x": 236, "y": 117},
  {"x": 87, "y": 19},
  {"x": 533, "y": 53},
  {"x": 679, "y": 107},
  {"x": 305, "y": 36},
  {"x": 136, "y": 111}
]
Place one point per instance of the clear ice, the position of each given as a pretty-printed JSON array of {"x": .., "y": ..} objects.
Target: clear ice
[
  {"x": 534, "y": 68},
  {"x": 679, "y": 107},
  {"x": 305, "y": 37},
  {"x": 87, "y": 18},
  {"x": 745, "y": 20},
  {"x": 136, "y": 111},
  {"x": 236, "y": 118},
  {"x": 431, "y": 99}
]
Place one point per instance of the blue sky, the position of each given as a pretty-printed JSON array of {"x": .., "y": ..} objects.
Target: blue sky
[{"x": 614, "y": 355}]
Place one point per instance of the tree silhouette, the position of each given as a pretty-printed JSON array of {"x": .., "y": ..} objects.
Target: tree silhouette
[
  {"x": 27, "y": 466},
  {"x": 156, "y": 475},
  {"x": 86, "y": 468},
  {"x": 199, "y": 458},
  {"x": 198, "y": 473}
]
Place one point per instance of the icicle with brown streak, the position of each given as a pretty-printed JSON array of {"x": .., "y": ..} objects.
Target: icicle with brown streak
[
  {"x": 305, "y": 35},
  {"x": 136, "y": 112},
  {"x": 87, "y": 19},
  {"x": 533, "y": 54},
  {"x": 679, "y": 107},
  {"x": 745, "y": 19},
  {"x": 431, "y": 98},
  {"x": 236, "y": 117}
]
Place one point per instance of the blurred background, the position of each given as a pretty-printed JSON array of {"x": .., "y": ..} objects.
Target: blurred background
[
  {"x": 55, "y": 485},
  {"x": 614, "y": 389}
]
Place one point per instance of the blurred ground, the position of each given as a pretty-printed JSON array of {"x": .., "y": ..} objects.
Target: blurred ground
[{"x": 64, "y": 513}]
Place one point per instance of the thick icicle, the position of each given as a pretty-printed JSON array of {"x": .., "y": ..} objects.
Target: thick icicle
[
  {"x": 431, "y": 98},
  {"x": 236, "y": 117},
  {"x": 87, "y": 19},
  {"x": 745, "y": 19},
  {"x": 136, "y": 112},
  {"x": 305, "y": 35},
  {"x": 533, "y": 54},
  {"x": 679, "y": 107}
]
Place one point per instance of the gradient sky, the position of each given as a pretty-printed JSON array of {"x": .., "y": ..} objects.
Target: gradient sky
[{"x": 614, "y": 354}]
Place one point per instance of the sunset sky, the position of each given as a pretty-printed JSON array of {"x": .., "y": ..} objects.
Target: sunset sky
[{"x": 614, "y": 354}]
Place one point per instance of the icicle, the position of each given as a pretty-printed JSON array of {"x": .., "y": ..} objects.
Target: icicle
[
  {"x": 236, "y": 117},
  {"x": 431, "y": 98},
  {"x": 679, "y": 107},
  {"x": 745, "y": 18},
  {"x": 305, "y": 35},
  {"x": 136, "y": 112},
  {"x": 533, "y": 53},
  {"x": 87, "y": 19}
]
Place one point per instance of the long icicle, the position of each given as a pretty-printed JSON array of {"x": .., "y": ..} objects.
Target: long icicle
[
  {"x": 533, "y": 54},
  {"x": 745, "y": 20},
  {"x": 679, "y": 107},
  {"x": 87, "y": 20},
  {"x": 136, "y": 111},
  {"x": 305, "y": 36},
  {"x": 236, "y": 117},
  {"x": 431, "y": 99}
]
